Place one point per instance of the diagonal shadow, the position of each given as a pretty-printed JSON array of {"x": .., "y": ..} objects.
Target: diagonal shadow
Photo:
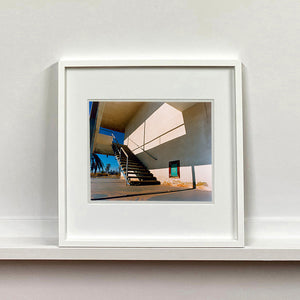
[{"x": 142, "y": 194}]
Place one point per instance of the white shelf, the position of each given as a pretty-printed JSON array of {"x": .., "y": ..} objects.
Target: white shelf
[
  {"x": 47, "y": 249},
  {"x": 267, "y": 239}
]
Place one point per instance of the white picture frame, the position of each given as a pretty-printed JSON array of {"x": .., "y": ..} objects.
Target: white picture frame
[{"x": 78, "y": 217}]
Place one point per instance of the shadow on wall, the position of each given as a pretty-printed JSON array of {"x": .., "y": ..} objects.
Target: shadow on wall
[
  {"x": 192, "y": 148},
  {"x": 50, "y": 144},
  {"x": 135, "y": 131}
]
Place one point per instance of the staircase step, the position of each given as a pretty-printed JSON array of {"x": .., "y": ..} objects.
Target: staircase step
[
  {"x": 134, "y": 167},
  {"x": 138, "y": 174},
  {"x": 146, "y": 182},
  {"x": 129, "y": 158},
  {"x": 144, "y": 177},
  {"x": 131, "y": 165},
  {"x": 130, "y": 162},
  {"x": 137, "y": 170}
]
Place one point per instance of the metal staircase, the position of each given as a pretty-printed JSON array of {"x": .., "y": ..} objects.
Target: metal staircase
[{"x": 134, "y": 171}]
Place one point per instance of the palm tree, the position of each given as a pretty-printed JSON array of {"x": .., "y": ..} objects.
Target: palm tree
[
  {"x": 96, "y": 163},
  {"x": 107, "y": 168}
]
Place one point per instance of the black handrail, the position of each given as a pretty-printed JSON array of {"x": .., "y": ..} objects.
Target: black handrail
[
  {"x": 120, "y": 149},
  {"x": 143, "y": 149},
  {"x": 114, "y": 138}
]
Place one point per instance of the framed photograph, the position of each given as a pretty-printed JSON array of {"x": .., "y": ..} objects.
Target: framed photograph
[
  {"x": 134, "y": 144},
  {"x": 150, "y": 154}
]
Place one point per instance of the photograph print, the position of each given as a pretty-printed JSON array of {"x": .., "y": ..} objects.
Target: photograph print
[{"x": 150, "y": 150}]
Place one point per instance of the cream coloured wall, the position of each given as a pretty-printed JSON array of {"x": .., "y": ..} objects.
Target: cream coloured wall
[{"x": 174, "y": 131}]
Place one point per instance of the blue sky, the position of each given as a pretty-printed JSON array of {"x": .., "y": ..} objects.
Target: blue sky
[{"x": 110, "y": 159}]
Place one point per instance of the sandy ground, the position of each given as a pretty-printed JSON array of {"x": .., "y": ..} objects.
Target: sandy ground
[{"x": 116, "y": 189}]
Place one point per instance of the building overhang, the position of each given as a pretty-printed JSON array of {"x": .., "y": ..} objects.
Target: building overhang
[
  {"x": 117, "y": 114},
  {"x": 103, "y": 144}
]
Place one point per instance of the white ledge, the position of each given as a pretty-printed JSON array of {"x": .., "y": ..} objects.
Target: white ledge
[
  {"x": 267, "y": 239},
  {"x": 47, "y": 249}
]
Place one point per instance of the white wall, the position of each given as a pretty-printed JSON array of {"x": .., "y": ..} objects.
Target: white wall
[{"x": 263, "y": 34}]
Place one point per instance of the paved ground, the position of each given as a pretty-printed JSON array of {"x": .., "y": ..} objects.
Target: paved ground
[{"x": 116, "y": 189}]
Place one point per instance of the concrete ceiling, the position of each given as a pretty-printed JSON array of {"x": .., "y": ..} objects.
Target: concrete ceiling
[
  {"x": 181, "y": 106},
  {"x": 116, "y": 115}
]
